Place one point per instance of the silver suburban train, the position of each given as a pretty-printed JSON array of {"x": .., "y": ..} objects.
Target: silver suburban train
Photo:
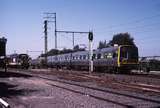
[{"x": 116, "y": 59}]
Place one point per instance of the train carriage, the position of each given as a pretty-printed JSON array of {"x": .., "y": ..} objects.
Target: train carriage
[
  {"x": 18, "y": 61},
  {"x": 121, "y": 58}
]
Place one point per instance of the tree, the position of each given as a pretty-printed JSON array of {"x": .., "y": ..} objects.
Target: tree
[
  {"x": 122, "y": 39},
  {"x": 64, "y": 51},
  {"x": 103, "y": 44},
  {"x": 77, "y": 48}
]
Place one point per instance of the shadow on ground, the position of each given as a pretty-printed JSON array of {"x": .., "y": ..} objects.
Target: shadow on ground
[
  {"x": 8, "y": 90},
  {"x": 12, "y": 74}
]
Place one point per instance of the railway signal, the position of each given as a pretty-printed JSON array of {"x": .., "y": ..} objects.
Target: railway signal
[
  {"x": 3, "y": 46},
  {"x": 3, "y": 42},
  {"x": 45, "y": 39},
  {"x": 90, "y": 37}
]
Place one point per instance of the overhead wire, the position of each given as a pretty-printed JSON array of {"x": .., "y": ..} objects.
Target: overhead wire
[{"x": 133, "y": 21}]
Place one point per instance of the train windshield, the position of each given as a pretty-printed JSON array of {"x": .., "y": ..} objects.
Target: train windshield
[{"x": 129, "y": 52}]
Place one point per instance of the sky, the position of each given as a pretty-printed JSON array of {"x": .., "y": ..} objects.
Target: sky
[{"x": 21, "y": 22}]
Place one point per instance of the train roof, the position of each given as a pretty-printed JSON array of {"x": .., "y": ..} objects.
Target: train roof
[
  {"x": 16, "y": 55},
  {"x": 81, "y": 52},
  {"x": 109, "y": 49}
]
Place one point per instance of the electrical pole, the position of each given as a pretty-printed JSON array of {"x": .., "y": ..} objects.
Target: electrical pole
[
  {"x": 45, "y": 41},
  {"x": 50, "y": 17},
  {"x": 55, "y": 30},
  {"x": 90, "y": 37},
  {"x": 3, "y": 42}
]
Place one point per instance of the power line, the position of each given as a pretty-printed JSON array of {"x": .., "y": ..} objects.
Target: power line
[
  {"x": 67, "y": 38},
  {"x": 140, "y": 27},
  {"x": 133, "y": 21},
  {"x": 73, "y": 34},
  {"x": 50, "y": 16}
]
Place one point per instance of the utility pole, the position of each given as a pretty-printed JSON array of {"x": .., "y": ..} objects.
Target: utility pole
[
  {"x": 55, "y": 23},
  {"x": 90, "y": 37},
  {"x": 45, "y": 39},
  {"x": 3, "y": 42},
  {"x": 50, "y": 17}
]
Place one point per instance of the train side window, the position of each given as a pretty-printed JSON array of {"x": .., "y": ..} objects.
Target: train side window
[
  {"x": 109, "y": 55},
  {"x": 105, "y": 55},
  {"x": 80, "y": 57},
  {"x": 88, "y": 56},
  {"x": 99, "y": 56},
  {"x": 76, "y": 57},
  {"x": 102, "y": 56},
  {"x": 84, "y": 57}
]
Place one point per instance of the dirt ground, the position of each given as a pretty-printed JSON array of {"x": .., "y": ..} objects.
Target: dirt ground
[{"x": 25, "y": 91}]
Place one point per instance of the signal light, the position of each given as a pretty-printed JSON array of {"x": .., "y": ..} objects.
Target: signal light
[{"x": 90, "y": 36}]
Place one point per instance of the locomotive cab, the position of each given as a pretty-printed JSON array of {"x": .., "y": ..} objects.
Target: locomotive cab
[{"x": 128, "y": 57}]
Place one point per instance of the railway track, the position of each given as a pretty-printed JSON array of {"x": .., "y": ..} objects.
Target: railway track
[
  {"x": 111, "y": 95},
  {"x": 98, "y": 79},
  {"x": 114, "y": 97}
]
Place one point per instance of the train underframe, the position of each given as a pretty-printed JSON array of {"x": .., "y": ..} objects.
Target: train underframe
[{"x": 99, "y": 68}]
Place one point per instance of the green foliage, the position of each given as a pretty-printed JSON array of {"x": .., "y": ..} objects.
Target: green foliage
[
  {"x": 122, "y": 39},
  {"x": 64, "y": 51},
  {"x": 154, "y": 64},
  {"x": 77, "y": 48},
  {"x": 103, "y": 44}
]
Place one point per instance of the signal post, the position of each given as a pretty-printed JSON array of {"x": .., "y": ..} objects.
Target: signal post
[
  {"x": 3, "y": 42},
  {"x": 90, "y": 37}
]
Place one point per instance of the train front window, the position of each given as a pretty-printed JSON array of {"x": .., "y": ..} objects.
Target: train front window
[{"x": 129, "y": 52}]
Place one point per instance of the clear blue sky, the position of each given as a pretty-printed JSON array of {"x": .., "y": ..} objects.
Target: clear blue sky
[{"x": 22, "y": 22}]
